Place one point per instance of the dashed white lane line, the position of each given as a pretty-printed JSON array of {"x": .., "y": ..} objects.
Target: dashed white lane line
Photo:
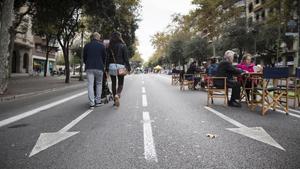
[
  {"x": 143, "y": 82},
  {"x": 143, "y": 90},
  {"x": 149, "y": 147},
  {"x": 144, "y": 100},
  {"x": 37, "y": 110}
]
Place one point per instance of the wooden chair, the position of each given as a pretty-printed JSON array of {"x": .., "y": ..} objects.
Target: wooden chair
[
  {"x": 216, "y": 92},
  {"x": 188, "y": 80},
  {"x": 294, "y": 89},
  {"x": 272, "y": 88},
  {"x": 175, "y": 78}
]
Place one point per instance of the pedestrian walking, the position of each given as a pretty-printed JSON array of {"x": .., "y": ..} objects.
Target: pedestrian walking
[
  {"x": 94, "y": 55},
  {"x": 226, "y": 69},
  {"x": 117, "y": 64}
]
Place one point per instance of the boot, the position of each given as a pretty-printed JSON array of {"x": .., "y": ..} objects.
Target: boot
[{"x": 119, "y": 90}]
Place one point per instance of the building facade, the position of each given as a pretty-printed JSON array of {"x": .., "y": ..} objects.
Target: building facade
[
  {"x": 257, "y": 12},
  {"x": 29, "y": 53}
]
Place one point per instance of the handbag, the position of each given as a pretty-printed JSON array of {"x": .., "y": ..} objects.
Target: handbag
[{"x": 116, "y": 69}]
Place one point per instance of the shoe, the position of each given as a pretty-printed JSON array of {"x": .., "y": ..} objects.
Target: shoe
[
  {"x": 92, "y": 107},
  {"x": 99, "y": 104},
  {"x": 117, "y": 101},
  {"x": 234, "y": 104}
]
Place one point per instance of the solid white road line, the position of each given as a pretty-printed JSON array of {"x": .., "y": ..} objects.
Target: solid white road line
[
  {"x": 290, "y": 114},
  {"x": 144, "y": 101},
  {"x": 143, "y": 90},
  {"x": 149, "y": 147},
  {"x": 295, "y": 111},
  {"x": 37, "y": 110}
]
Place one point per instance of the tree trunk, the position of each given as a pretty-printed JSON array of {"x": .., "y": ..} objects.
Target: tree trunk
[
  {"x": 47, "y": 57},
  {"x": 11, "y": 50},
  {"x": 67, "y": 64},
  {"x": 6, "y": 22}
]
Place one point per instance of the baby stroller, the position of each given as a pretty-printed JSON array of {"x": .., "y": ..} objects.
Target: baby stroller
[{"x": 106, "y": 95}]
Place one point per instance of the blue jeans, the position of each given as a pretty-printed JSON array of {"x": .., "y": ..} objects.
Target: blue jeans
[{"x": 97, "y": 75}]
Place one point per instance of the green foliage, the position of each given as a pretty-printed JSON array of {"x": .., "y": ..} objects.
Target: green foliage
[
  {"x": 197, "y": 48},
  {"x": 106, "y": 16}
]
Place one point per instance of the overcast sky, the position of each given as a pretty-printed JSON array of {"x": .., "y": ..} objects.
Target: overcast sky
[{"x": 156, "y": 15}]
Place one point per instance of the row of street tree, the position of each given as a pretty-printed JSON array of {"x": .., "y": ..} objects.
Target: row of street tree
[
  {"x": 213, "y": 27},
  {"x": 59, "y": 21}
]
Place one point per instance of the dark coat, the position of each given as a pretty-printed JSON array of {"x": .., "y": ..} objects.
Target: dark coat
[
  {"x": 120, "y": 55},
  {"x": 94, "y": 55},
  {"x": 226, "y": 69}
]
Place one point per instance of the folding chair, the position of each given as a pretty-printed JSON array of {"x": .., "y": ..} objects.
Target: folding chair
[
  {"x": 188, "y": 80},
  {"x": 216, "y": 92},
  {"x": 175, "y": 78},
  {"x": 294, "y": 89},
  {"x": 272, "y": 88}
]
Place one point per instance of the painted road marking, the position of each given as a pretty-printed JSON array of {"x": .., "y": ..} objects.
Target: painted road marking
[
  {"x": 143, "y": 90},
  {"x": 37, "y": 110},
  {"x": 295, "y": 111},
  {"x": 144, "y": 101},
  {"x": 143, "y": 82},
  {"x": 47, "y": 140},
  {"x": 149, "y": 147},
  {"x": 256, "y": 133},
  {"x": 290, "y": 114}
]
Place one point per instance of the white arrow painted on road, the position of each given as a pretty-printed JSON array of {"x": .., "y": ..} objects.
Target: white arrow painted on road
[
  {"x": 256, "y": 133},
  {"x": 47, "y": 140}
]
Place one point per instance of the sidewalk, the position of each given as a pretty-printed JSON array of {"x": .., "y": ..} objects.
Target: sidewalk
[{"x": 21, "y": 86}]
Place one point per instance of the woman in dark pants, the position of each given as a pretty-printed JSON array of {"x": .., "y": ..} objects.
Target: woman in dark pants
[{"x": 117, "y": 53}]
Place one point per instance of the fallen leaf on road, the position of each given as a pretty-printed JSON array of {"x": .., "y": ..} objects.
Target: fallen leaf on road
[{"x": 211, "y": 136}]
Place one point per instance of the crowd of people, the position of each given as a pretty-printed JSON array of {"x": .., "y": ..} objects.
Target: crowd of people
[{"x": 224, "y": 68}]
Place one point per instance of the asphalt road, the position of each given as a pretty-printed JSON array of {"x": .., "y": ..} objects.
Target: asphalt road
[{"x": 156, "y": 126}]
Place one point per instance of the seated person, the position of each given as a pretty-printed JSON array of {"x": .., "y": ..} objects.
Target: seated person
[
  {"x": 174, "y": 70},
  {"x": 246, "y": 66},
  {"x": 212, "y": 68},
  {"x": 192, "y": 70},
  {"x": 226, "y": 69}
]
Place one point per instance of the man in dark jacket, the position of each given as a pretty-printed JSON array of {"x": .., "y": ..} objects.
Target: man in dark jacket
[
  {"x": 226, "y": 69},
  {"x": 192, "y": 70},
  {"x": 94, "y": 55}
]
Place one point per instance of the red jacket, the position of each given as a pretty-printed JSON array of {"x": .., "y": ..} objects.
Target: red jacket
[{"x": 246, "y": 67}]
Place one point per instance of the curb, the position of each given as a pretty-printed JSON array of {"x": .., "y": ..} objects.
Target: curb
[{"x": 19, "y": 96}]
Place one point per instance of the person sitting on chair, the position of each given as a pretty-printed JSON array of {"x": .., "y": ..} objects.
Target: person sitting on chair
[
  {"x": 192, "y": 70},
  {"x": 247, "y": 66},
  {"x": 226, "y": 69},
  {"x": 212, "y": 68}
]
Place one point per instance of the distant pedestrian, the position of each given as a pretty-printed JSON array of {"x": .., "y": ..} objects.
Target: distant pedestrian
[
  {"x": 117, "y": 63},
  {"x": 94, "y": 55}
]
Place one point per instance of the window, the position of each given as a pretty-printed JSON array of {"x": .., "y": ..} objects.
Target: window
[
  {"x": 25, "y": 61},
  {"x": 38, "y": 48},
  {"x": 256, "y": 1},
  {"x": 250, "y": 7},
  {"x": 263, "y": 15},
  {"x": 257, "y": 17}
]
